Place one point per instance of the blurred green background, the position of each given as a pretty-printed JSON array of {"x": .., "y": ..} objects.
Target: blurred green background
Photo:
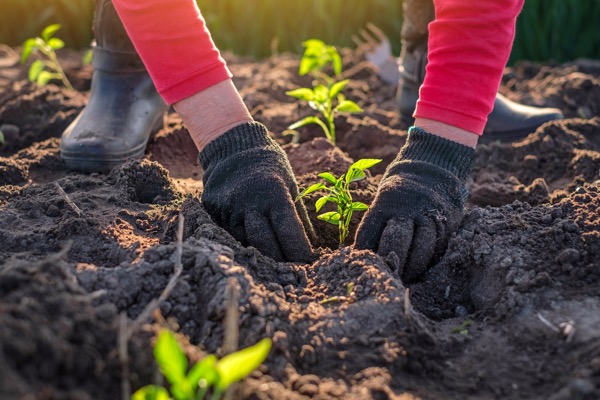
[{"x": 559, "y": 30}]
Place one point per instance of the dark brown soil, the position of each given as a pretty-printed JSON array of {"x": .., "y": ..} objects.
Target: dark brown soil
[{"x": 490, "y": 320}]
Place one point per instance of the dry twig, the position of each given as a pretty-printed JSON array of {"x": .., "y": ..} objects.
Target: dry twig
[
  {"x": 407, "y": 305},
  {"x": 68, "y": 200}
]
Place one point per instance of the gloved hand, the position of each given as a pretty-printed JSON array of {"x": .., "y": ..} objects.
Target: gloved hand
[
  {"x": 419, "y": 203},
  {"x": 249, "y": 189}
]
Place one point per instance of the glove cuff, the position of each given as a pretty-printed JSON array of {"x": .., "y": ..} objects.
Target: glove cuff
[
  {"x": 243, "y": 137},
  {"x": 453, "y": 157}
]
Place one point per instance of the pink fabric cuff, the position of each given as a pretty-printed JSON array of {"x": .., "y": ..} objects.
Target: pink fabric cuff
[
  {"x": 468, "y": 47},
  {"x": 175, "y": 45}
]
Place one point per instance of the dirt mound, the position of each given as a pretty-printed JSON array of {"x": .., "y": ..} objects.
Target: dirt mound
[{"x": 511, "y": 310}]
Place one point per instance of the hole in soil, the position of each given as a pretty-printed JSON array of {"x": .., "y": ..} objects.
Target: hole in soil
[{"x": 146, "y": 182}]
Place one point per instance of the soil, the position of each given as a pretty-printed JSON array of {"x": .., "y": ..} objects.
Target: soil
[{"x": 510, "y": 311}]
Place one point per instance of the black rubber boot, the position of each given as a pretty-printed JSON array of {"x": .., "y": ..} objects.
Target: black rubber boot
[
  {"x": 508, "y": 121},
  {"x": 124, "y": 109}
]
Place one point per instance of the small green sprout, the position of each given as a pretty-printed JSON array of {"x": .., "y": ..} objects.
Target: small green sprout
[
  {"x": 87, "y": 57},
  {"x": 338, "y": 192},
  {"x": 463, "y": 328},
  {"x": 43, "y": 71},
  {"x": 326, "y": 96},
  {"x": 317, "y": 55},
  {"x": 208, "y": 374},
  {"x": 2, "y": 139}
]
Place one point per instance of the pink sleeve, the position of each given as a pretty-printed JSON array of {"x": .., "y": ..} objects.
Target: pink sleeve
[
  {"x": 469, "y": 45},
  {"x": 175, "y": 45}
]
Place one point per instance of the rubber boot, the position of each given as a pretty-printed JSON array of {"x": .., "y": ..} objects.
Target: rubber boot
[
  {"x": 124, "y": 109},
  {"x": 508, "y": 121}
]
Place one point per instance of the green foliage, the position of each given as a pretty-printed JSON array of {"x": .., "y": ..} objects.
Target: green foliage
[
  {"x": 317, "y": 55},
  {"x": 326, "y": 95},
  {"x": 206, "y": 375},
  {"x": 21, "y": 19},
  {"x": 337, "y": 191},
  {"x": 463, "y": 329},
  {"x": 87, "y": 57},
  {"x": 560, "y": 30},
  {"x": 44, "y": 70}
]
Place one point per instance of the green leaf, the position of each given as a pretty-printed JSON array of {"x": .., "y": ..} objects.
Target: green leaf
[
  {"x": 310, "y": 120},
  {"x": 355, "y": 172},
  {"x": 151, "y": 392},
  {"x": 312, "y": 59},
  {"x": 49, "y": 31},
  {"x": 204, "y": 370},
  {"x": 365, "y": 163},
  {"x": 36, "y": 68},
  {"x": 336, "y": 60},
  {"x": 28, "y": 48},
  {"x": 358, "y": 206},
  {"x": 307, "y": 65},
  {"x": 170, "y": 357},
  {"x": 305, "y": 121},
  {"x": 238, "y": 365},
  {"x": 2, "y": 139},
  {"x": 332, "y": 217},
  {"x": 337, "y": 87},
  {"x": 302, "y": 94},
  {"x": 320, "y": 203},
  {"x": 328, "y": 177},
  {"x": 311, "y": 189},
  {"x": 313, "y": 43},
  {"x": 46, "y": 76},
  {"x": 56, "y": 43},
  {"x": 355, "y": 175},
  {"x": 321, "y": 93},
  {"x": 88, "y": 56},
  {"x": 348, "y": 106}
]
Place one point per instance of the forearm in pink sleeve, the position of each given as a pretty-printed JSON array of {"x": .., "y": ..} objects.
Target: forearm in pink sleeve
[
  {"x": 176, "y": 47},
  {"x": 469, "y": 45}
]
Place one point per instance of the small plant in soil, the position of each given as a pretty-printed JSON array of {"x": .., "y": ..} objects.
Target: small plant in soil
[
  {"x": 337, "y": 191},
  {"x": 44, "y": 70},
  {"x": 463, "y": 329},
  {"x": 326, "y": 95},
  {"x": 207, "y": 375}
]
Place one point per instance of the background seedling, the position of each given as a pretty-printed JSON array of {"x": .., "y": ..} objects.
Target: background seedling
[
  {"x": 326, "y": 95},
  {"x": 45, "y": 70},
  {"x": 337, "y": 190},
  {"x": 208, "y": 374},
  {"x": 463, "y": 329}
]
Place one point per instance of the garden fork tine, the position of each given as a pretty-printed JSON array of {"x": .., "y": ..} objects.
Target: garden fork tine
[{"x": 378, "y": 51}]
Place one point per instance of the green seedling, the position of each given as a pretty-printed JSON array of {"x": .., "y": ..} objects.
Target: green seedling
[
  {"x": 317, "y": 56},
  {"x": 463, "y": 328},
  {"x": 336, "y": 299},
  {"x": 2, "y": 139},
  {"x": 326, "y": 95},
  {"x": 47, "y": 69},
  {"x": 87, "y": 57},
  {"x": 337, "y": 191},
  {"x": 207, "y": 375}
]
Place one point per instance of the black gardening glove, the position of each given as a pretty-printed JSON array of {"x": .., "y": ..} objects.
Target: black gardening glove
[
  {"x": 419, "y": 203},
  {"x": 249, "y": 189}
]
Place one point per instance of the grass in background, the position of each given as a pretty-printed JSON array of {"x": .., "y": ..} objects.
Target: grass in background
[
  {"x": 22, "y": 19},
  {"x": 261, "y": 27},
  {"x": 559, "y": 30}
]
